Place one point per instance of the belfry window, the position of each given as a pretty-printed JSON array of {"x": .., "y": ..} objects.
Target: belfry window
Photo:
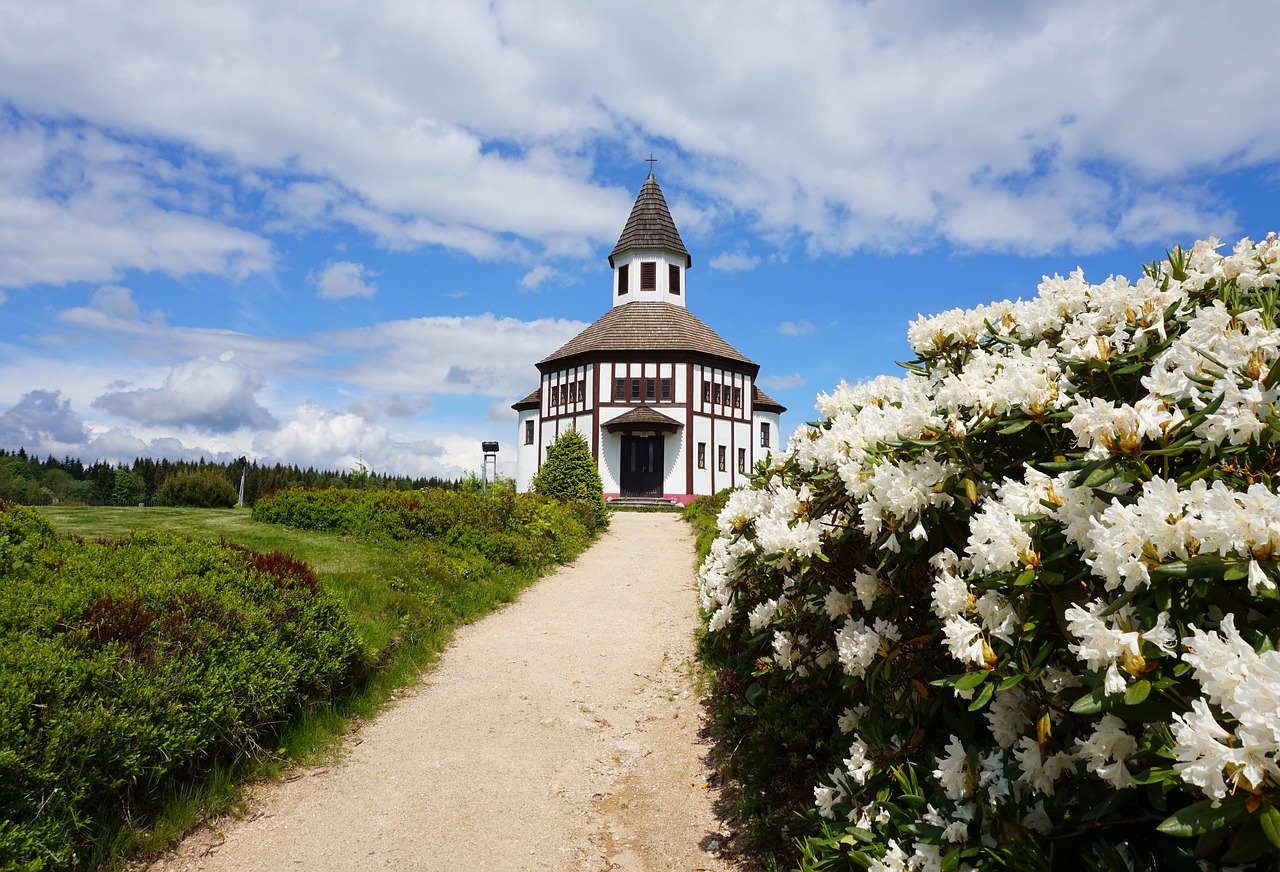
[
  {"x": 648, "y": 275},
  {"x": 622, "y": 278},
  {"x": 673, "y": 279}
]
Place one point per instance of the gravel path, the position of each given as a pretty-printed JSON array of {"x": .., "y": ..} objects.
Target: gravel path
[{"x": 560, "y": 733}]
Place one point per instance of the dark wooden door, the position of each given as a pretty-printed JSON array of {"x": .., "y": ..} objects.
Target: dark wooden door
[{"x": 641, "y": 466}]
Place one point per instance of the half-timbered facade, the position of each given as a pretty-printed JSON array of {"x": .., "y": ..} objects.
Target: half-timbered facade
[{"x": 669, "y": 408}]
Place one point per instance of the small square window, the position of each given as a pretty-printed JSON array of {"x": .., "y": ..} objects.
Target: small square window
[
  {"x": 650, "y": 389},
  {"x": 555, "y": 395},
  {"x": 764, "y": 434},
  {"x": 573, "y": 392},
  {"x": 648, "y": 276},
  {"x": 715, "y": 393},
  {"x": 582, "y": 390},
  {"x": 528, "y": 432},
  {"x": 635, "y": 389},
  {"x": 722, "y": 458},
  {"x": 619, "y": 389},
  {"x": 666, "y": 390},
  {"x": 706, "y": 391},
  {"x": 737, "y": 398},
  {"x": 742, "y": 460},
  {"x": 702, "y": 454}
]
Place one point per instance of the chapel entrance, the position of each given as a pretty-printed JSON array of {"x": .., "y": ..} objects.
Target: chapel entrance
[{"x": 641, "y": 466}]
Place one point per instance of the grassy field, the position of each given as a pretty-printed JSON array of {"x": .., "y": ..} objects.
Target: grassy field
[{"x": 405, "y": 597}]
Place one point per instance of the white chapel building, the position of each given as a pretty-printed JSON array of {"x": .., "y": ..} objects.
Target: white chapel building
[{"x": 669, "y": 409}]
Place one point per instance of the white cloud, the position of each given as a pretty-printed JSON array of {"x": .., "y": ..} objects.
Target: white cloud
[
  {"x": 850, "y": 125},
  {"x": 203, "y": 393},
  {"x": 115, "y": 300},
  {"x": 734, "y": 261},
  {"x": 394, "y": 405},
  {"x": 795, "y": 328},
  {"x": 781, "y": 382},
  {"x": 344, "y": 279},
  {"x": 536, "y": 277},
  {"x": 77, "y": 205},
  {"x": 43, "y": 422}
]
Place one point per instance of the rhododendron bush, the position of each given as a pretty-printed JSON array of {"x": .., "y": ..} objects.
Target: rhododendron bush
[{"x": 1018, "y": 608}]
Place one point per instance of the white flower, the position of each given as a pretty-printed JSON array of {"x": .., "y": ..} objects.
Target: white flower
[
  {"x": 857, "y": 764},
  {"x": 953, "y": 772},
  {"x": 1201, "y": 749},
  {"x": 856, "y": 646},
  {"x": 837, "y": 604},
  {"x": 760, "y": 616},
  {"x": 964, "y": 641},
  {"x": 894, "y": 860},
  {"x": 867, "y": 586},
  {"x": 1105, "y": 751}
]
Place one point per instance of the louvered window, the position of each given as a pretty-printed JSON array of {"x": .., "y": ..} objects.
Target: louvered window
[
  {"x": 648, "y": 275},
  {"x": 673, "y": 279},
  {"x": 622, "y": 278}
]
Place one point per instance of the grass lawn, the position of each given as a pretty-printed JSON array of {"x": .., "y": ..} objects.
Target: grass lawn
[{"x": 405, "y": 597}]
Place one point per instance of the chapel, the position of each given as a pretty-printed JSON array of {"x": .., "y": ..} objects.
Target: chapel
[{"x": 671, "y": 411}]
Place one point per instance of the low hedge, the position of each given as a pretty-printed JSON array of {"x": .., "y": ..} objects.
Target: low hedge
[
  {"x": 126, "y": 667},
  {"x": 507, "y": 529}
]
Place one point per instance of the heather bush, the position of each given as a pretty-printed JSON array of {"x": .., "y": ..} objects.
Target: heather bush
[
  {"x": 1018, "y": 609},
  {"x": 126, "y": 667}
]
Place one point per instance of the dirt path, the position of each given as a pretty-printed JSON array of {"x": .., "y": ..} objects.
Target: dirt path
[{"x": 561, "y": 733}]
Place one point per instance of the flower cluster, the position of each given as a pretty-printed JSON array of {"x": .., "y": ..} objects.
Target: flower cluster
[{"x": 1026, "y": 595}]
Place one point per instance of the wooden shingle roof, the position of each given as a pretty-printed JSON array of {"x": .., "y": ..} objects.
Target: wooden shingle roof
[
  {"x": 650, "y": 225},
  {"x": 644, "y": 326},
  {"x": 761, "y": 400},
  {"x": 643, "y": 418},
  {"x": 533, "y": 401}
]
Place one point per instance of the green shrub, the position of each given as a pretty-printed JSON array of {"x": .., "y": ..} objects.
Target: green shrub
[
  {"x": 506, "y": 529},
  {"x": 570, "y": 474},
  {"x": 198, "y": 489},
  {"x": 126, "y": 667}
]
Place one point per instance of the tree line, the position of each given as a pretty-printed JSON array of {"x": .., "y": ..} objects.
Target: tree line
[{"x": 28, "y": 480}]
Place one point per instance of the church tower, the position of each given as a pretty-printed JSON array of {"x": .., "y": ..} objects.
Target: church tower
[{"x": 670, "y": 409}]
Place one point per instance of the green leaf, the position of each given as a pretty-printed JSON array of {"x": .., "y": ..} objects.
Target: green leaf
[
  {"x": 1011, "y": 681},
  {"x": 983, "y": 697},
  {"x": 1270, "y": 816},
  {"x": 1015, "y": 427},
  {"x": 1091, "y": 703},
  {"x": 1102, "y": 475},
  {"x": 972, "y": 679},
  {"x": 1204, "y": 817},
  {"x": 755, "y": 693},
  {"x": 1137, "y": 692},
  {"x": 1025, "y": 578}
]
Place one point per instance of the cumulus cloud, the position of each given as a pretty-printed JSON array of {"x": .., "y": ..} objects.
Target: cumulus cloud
[
  {"x": 734, "y": 261},
  {"x": 536, "y": 277},
  {"x": 215, "y": 394},
  {"x": 41, "y": 421},
  {"x": 795, "y": 328},
  {"x": 81, "y": 205},
  {"x": 342, "y": 280},
  {"x": 330, "y": 439},
  {"x": 865, "y": 125},
  {"x": 394, "y": 405},
  {"x": 781, "y": 382}
]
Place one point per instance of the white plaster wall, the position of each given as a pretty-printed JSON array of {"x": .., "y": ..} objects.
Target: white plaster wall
[
  {"x": 661, "y": 291},
  {"x": 526, "y": 455}
]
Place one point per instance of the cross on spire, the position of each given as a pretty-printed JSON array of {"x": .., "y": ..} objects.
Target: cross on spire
[{"x": 651, "y": 160}]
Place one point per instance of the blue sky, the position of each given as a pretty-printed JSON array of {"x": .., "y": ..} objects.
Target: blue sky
[{"x": 312, "y": 233}]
